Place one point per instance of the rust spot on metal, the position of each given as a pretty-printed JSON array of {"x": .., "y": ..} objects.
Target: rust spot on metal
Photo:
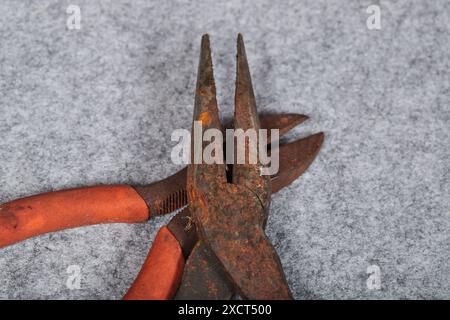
[{"x": 205, "y": 118}]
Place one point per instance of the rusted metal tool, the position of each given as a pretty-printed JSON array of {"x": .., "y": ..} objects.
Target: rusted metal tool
[
  {"x": 230, "y": 216},
  {"x": 193, "y": 246}
]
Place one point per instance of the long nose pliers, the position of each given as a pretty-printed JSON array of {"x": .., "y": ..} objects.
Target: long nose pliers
[{"x": 215, "y": 246}]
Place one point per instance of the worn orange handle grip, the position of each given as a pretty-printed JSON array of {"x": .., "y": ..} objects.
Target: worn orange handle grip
[
  {"x": 161, "y": 273},
  {"x": 32, "y": 216}
]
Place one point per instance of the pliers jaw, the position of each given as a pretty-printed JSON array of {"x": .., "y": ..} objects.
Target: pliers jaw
[
  {"x": 246, "y": 118},
  {"x": 230, "y": 217},
  {"x": 206, "y": 116}
]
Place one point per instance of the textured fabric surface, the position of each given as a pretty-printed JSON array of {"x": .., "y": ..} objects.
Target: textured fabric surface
[{"x": 98, "y": 106}]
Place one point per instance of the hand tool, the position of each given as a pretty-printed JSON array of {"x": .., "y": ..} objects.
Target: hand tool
[{"x": 183, "y": 239}]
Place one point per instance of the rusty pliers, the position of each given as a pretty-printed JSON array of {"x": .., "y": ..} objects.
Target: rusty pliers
[{"x": 214, "y": 247}]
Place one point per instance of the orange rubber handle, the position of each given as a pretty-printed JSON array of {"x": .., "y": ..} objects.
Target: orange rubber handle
[
  {"x": 32, "y": 216},
  {"x": 161, "y": 273}
]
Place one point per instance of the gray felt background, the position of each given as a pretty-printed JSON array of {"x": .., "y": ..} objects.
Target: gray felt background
[{"x": 98, "y": 105}]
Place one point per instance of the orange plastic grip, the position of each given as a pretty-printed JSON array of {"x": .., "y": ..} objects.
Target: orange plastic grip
[
  {"x": 32, "y": 216},
  {"x": 161, "y": 273}
]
